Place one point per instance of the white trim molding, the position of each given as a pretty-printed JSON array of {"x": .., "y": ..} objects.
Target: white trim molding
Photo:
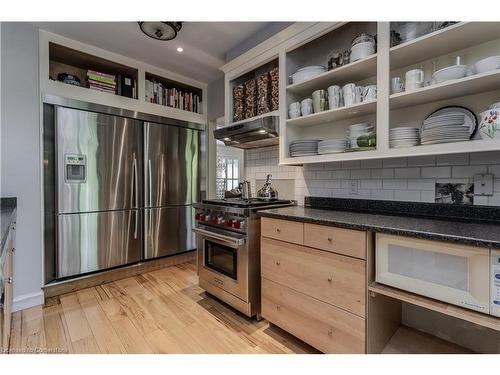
[{"x": 26, "y": 301}]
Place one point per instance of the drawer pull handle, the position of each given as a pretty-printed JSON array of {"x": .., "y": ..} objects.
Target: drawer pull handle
[
  {"x": 278, "y": 307},
  {"x": 330, "y": 239},
  {"x": 330, "y": 332},
  {"x": 9, "y": 280},
  {"x": 330, "y": 279},
  {"x": 278, "y": 263},
  {"x": 278, "y": 230}
]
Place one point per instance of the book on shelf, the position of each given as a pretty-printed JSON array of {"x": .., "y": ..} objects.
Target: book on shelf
[{"x": 158, "y": 93}]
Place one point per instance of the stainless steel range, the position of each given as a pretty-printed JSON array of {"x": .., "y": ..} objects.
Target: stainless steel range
[{"x": 228, "y": 243}]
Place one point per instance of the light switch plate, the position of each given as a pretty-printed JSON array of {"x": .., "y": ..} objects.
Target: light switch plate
[{"x": 483, "y": 184}]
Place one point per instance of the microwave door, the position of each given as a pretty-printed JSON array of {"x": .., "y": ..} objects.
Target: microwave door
[{"x": 448, "y": 272}]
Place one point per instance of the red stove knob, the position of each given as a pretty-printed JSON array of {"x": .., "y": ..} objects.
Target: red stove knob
[
  {"x": 199, "y": 216},
  {"x": 236, "y": 224}
]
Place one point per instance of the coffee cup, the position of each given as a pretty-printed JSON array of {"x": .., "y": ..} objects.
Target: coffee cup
[
  {"x": 396, "y": 85},
  {"x": 349, "y": 94},
  {"x": 306, "y": 106},
  {"x": 335, "y": 97},
  {"x": 414, "y": 79},
  {"x": 370, "y": 92},
  {"x": 358, "y": 97},
  {"x": 319, "y": 100}
]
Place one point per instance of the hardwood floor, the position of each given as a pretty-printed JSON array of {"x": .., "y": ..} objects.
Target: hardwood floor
[{"x": 163, "y": 311}]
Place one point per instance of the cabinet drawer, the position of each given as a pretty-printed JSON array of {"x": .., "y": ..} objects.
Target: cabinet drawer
[
  {"x": 323, "y": 326},
  {"x": 284, "y": 230},
  {"x": 343, "y": 241},
  {"x": 336, "y": 279}
]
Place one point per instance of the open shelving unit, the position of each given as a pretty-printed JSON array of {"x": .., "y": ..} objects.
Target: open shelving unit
[
  {"x": 58, "y": 54},
  {"x": 431, "y": 52},
  {"x": 484, "y": 320}
]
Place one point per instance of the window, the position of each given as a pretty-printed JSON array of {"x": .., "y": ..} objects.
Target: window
[{"x": 228, "y": 174}]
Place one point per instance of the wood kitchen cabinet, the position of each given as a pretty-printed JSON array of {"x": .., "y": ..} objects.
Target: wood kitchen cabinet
[
  {"x": 314, "y": 283},
  {"x": 7, "y": 275}
]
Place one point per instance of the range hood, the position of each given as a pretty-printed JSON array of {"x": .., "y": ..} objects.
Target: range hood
[{"x": 250, "y": 134}]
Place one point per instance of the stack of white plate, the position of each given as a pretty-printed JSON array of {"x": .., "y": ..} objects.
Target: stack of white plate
[
  {"x": 305, "y": 147},
  {"x": 357, "y": 130},
  {"x": 331, "y": 146},
  {"x": 404, "y": 137},
  {"x": 444, "y": 128}
]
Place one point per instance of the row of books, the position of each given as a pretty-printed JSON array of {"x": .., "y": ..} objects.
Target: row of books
[
  {"x": 101, "y": 81},
  {"x": 158, "y": 93}
]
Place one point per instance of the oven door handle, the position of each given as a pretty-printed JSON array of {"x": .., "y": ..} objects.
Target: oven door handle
[{"x": 206, "y": 233}]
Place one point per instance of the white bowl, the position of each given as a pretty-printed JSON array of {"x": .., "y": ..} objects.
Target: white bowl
[
  {"x": 306, "y": 73},
  {"x": 486, "y": 65},
  {"x": 451, "y": 72},
  {"x": 362, "y": 50}
]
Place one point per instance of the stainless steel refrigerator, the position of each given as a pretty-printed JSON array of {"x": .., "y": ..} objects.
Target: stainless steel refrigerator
[{"x": 124, "y": 190}]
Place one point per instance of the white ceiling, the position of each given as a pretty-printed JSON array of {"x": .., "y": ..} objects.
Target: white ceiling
[{"x": 205, "y": 43}]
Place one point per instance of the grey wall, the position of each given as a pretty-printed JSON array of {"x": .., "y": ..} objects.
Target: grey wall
[
  {"x": 215, "y": 104},
  {"x": 20, "y": 153},
  {"x": 257, "y": 38}
]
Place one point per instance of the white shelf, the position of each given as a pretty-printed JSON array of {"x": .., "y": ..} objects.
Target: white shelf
[
  {"x": 273, "y": 113},
  {"x": 352, "y": 72},
  {"x": 336, "y": 114},
  {"x": 342, "y": 156},
  {"x": 447, "y": 90},
  {"x": 442, "y": 42},
  {"x": 475, "y": 317}
]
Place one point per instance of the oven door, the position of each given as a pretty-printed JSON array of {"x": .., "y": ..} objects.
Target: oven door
[
  {"x": 447, "y": 272},
  {"x": 223, "y": 260}
]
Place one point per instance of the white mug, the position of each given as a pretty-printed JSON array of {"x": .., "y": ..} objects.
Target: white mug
[
  {"x": 349, "y": 94},
  {"x": 335, "y": 97},
  {"x": 414, "y": 79},
  {"x": 370, "y": 92},
  {"x": 294, "y": 113},
  {"x": 358, "y": 97},
  {"x": 295, "y": 106},
  {"x": 319, "y": 100},
  {"x": 396, "y": 85},
  {"x": 306, "y": 106}
]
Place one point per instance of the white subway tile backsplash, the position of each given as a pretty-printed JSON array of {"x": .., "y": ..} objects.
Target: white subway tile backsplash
[
  {"x": 371, "y": 163},
  {"x": 454, "y": 159},
  {"x": 395, "y": 162},
  {"x": 468, "y": 171},
  {"x": 436, "y": 172},
  {"x": 407, "y": 172},
  {"x": 427, "y": 196},
  {"x": 422, "y": 161},
  {"x": 481, "y": 200},
  {"x": 395, "y": 184},
  {"x": 341, "y": 174},
  {"x": 407, "y": 195},
  {"x": 360, "y": 173},
  {"x": 387, "y": 195},
  {"x": 488, "y": 157},
  {"x": 382, "y": 173},
  {"x": 371, "y": 184},
  {"x": 422, "y": 184},
  {"x": 406, "y": 179},
  {"x": 494, "y": 169}
]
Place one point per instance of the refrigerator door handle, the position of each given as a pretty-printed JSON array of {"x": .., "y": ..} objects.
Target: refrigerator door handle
[
  {"x": 150, "y": 182},
  {"x": 136, "y": 187}
]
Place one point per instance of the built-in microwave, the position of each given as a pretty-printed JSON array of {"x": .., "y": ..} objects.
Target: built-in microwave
[{"x": 448, "y": 272}]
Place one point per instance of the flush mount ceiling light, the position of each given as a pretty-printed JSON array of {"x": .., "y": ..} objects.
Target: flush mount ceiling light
[{"x": 160, "y": 30}]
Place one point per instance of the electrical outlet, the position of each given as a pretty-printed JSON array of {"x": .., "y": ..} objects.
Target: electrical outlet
[
  {"x": 483, "y": 184},
  {"x": 353, "y": 187}
]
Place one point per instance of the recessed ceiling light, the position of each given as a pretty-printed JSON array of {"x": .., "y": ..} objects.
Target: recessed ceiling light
[{"x": 180, "y": 49}]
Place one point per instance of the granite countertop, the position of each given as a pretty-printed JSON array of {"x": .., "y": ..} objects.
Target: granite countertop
[
  {"x": 8, "y": 208},
  {"x": 477, "y": 234}
]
